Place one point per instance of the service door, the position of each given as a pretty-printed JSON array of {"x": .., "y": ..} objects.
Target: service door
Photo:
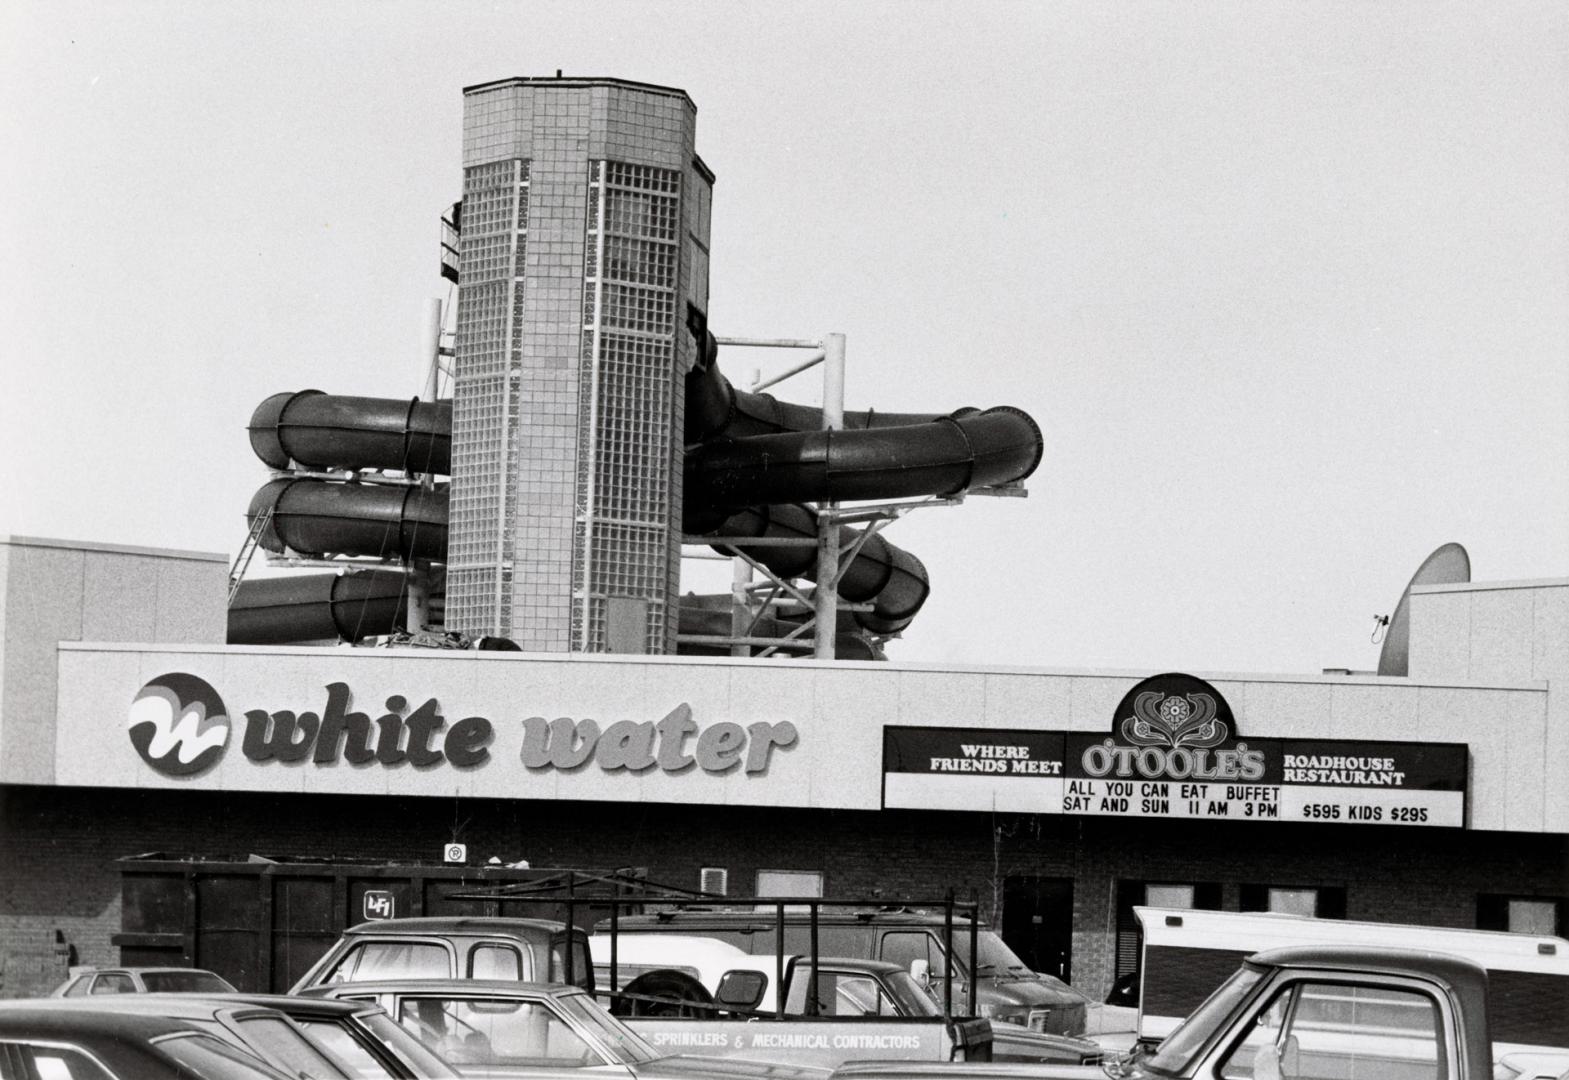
[{"x": 1037, "y": 922}]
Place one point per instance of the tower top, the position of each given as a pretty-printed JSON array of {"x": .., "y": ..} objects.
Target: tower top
[{"x": 573, "y": 82}]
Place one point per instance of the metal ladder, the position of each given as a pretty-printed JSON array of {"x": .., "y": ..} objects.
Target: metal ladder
[{"x": 242, "y": 561}]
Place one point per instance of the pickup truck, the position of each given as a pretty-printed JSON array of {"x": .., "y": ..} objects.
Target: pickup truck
[
  {"x": 694, "y": 994},
  {"x": 1001, "y": 988},
  {"x": 1187, "y": 952},
  {"x": 1327, "y": 1013}
]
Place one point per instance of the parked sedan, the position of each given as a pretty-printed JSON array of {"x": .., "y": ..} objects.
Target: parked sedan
[
  {"x": 491, "y": 1028},
  {"x": 106, "y": 1044},
  {"x": 264, "y": 1033},
  {"x": 92, "y": 981}
]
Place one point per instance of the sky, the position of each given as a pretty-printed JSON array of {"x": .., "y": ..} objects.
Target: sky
[{"x": 1285, "y": 285}]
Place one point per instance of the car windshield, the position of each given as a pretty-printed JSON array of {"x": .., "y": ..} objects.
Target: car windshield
[
  {"x": 212, "y": 1059},
  {"x": 625, "y": 1044},
  {"x": 1178, "y": 1049},
  {"x": 184, "y": 982},
  {"x": 992, "y": 956}
]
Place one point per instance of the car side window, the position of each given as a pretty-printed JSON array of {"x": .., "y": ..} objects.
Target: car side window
[
  {"x": 78, "y": 987},
  {"x": 903, "y": 946},
  {"x": 487, "y": 1032},
  {"x": 495, "y": 962},
  {"x": 392, "y": 960},
  {"x": 342, "y": 1043},
  {"x": 57, "y": 1063},
  {"x": 1316, "y": 1029},
  {"x": 113, "y": 984}
]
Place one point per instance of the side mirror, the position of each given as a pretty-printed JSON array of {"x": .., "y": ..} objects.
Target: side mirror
[
  {"x": 921, "y": 971},
  {"x": 741, "y": 989}
]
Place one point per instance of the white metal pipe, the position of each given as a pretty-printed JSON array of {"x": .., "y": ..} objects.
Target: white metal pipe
[
  {"x": 418, "y": 615},
  {"x": 770, "y": 343},
  {"x": 430, "y": 350},
  {"x": 826, "y": 598},
  {"x": 805, "y": 365},
  {"x": 741, "y": 619}
]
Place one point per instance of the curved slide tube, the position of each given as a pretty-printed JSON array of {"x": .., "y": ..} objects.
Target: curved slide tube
[
  {"x": 945, "y": 456},
  {"x": 327, "y": 431},
  {"x": 315, "y": 517},
  {"x": 317, "y": 607}
]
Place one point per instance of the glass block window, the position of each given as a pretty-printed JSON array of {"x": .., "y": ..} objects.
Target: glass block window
[
  {"x": 492, "y": 247},
  {"x": 626, "y": 396}
]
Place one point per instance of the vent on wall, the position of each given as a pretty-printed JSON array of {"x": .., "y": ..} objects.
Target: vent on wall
[{"x": 714, "y": 880}]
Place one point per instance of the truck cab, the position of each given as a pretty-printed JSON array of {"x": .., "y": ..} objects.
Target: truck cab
[
  {"x": 1325, "y": 1012},
  {"x": 456, "y": 947}
]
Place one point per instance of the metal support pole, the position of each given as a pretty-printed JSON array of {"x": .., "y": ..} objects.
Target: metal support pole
[
  {"x": 430, "y": 350},
  {"x": 417, "y": 615},
  {"x": 740, "y": 613},
  {"x": 947, "y": 960},
  {"x": 826, "y": 599}
]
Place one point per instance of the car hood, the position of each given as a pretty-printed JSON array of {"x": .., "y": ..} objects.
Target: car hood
[
  {"x": 1034, "y": 990},
  {"x": 679, "y": 1066}
]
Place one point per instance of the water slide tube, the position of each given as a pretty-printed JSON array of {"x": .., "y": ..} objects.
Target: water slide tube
[
  {"x": 318, "y": 430},
  {"x": 751, "y": 461},
  {"x": 289, "y": 609}
]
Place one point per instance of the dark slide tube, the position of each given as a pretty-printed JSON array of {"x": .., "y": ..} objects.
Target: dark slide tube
[
  {"x": 316, "y": 517},
  {"x": 316, "y": 607},
  {"x": 943, "y": 457},
  {"x": 325, "y": 431}
]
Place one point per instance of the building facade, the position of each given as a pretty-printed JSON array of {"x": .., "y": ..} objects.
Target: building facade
[{"x": 1058, "y": 798}]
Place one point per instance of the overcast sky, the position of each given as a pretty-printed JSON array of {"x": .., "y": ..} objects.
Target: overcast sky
[{"x": 1285, "y": 285}]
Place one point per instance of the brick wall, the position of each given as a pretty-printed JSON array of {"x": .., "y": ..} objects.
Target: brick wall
[{"x": 59, "y": 886}]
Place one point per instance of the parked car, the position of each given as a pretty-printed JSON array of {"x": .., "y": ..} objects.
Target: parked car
[
  {"x": 455, "y": 947},
  {"x": 492, "y": 1028},
  {"x": 102, "y": 1043},
  {"x": 87, "y": 981},
  {"x": 263, "y": 1032}
]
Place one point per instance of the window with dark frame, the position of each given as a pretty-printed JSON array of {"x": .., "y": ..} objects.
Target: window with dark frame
[
  {"x": 1521, "y": 914},
  {"x": 1318, "y": 901}
]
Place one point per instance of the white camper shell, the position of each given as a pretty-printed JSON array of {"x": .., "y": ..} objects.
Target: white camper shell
[{"x": 1188, "y": 953}]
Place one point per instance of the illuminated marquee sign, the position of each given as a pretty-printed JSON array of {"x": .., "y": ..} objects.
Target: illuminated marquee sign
[
  {"x": 181, "y": 727},
  {"x": 1174, "y": 752}
]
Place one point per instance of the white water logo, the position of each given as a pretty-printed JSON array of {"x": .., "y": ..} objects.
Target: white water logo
[{"x": 178, "y": 724}]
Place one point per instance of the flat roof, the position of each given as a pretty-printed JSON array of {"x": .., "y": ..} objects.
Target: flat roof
[
  {"x": 573, "y": 81},
  {"x": 115, "y": 549}
]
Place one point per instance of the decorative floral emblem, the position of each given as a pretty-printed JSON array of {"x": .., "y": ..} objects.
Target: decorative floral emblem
[{"x": 1174, "y": 720}]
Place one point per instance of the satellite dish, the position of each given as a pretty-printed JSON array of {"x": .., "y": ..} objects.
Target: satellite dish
[{"x": 1449, "y": 565}]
